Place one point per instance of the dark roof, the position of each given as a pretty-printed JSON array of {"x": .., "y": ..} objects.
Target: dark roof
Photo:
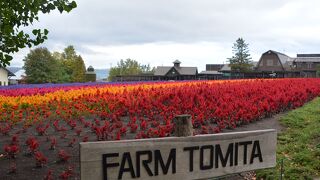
[
  {"x": 213, "y": 67},
  {"x": 307, "y": 59},
  {"x": 283, "y": 57},
  {"x": 176, "y": 62},
  {"x": 187, "y": 70},
  {"x": 277, "y": 52},
  {"x": 163, "y": 70},
  {"x": 210, "y": 72},
  {"x": 285, "y": 60},
  {"x": 19, "y": 75},
  {"x": 90, "y": 69},
  {"x": 308, "y": 55}
]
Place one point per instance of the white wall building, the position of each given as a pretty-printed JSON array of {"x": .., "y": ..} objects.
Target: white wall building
[{"x": 4, "y": 74}]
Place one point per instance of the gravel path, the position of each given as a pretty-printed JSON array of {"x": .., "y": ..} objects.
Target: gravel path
[{"x": 266, "y": 123}]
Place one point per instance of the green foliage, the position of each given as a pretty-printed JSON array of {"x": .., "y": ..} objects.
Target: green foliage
[
  {"x": 298, "y": 145},
  {"x": 129, "y": 67},
  {"x": 146, "y": 69},
  {"x": 79, "y": 70},
  {"x": 241, "y": 60},
  {"x": 41, "y": 67},
  {"x": 73, "y": 64},
  {"x": 15, "y": 14}
]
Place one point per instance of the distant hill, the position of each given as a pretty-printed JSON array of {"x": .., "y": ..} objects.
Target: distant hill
[
  {"x": 14, "y": 69},
  {"x": 102, "y": 73}
]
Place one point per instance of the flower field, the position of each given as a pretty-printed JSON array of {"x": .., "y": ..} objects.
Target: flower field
[{"x": 41, "y": 125}]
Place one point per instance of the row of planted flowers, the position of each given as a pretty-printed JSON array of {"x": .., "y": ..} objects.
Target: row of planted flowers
[
  {"x": 57, "y": 120},
  {"x": 224, "y": 103}
]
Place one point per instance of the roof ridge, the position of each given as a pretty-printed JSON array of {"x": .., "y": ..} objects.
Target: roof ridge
[{"x": 278, "y": 53}]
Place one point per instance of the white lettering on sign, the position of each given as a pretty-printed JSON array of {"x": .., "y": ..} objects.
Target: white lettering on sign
[{"x": 193, "y": 157}]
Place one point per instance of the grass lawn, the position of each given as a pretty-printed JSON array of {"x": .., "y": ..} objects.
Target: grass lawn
[{"x": 298, "y": 145}]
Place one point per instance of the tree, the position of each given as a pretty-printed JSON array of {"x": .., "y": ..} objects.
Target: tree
[
  {"x": 41, "y": 67},
  {"x": 146, "y": 69},
  {"x": 129, "y": 67},
  {"x": 73, "y": 64},
  {"x": 54, "y": 68},
  {"x": 64, "y": 77},
  {"x": 79, "y": 70},
  {"x": 15, "y": 14},
  {"x": 241, "y": 60}
]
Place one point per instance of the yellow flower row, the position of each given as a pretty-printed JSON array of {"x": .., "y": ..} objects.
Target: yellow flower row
[{"x": 76, "y": 93}]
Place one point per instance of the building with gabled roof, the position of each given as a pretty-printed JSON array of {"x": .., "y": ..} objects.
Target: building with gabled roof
[
  {"x": 175, "y": 72},
  {"x": 273, "y": 62}
]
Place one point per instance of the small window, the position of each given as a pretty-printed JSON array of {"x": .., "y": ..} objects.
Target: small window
[
  {"x": 309, "y": 65},
  {"x": 0, "y": 83},
  {"x": 4, "y": 83},
  {"x": 269, "y": 62}
]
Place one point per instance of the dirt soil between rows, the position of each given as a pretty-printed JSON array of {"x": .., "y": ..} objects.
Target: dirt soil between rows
[{"x": 26, "y": 165}]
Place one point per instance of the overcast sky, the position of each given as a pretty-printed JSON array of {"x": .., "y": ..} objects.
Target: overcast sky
[{"x": 197, "y": 32}]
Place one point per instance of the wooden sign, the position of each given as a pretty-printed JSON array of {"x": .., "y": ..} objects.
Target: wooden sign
[{"x": 193, "y": 157}]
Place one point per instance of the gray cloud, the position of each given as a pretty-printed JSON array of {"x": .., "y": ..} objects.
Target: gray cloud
[
  {"x": 141, "y": 21},
  {"x": 284, "y": 25}
]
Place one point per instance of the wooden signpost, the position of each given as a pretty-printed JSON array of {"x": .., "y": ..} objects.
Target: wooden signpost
[{"x": 193, "y": 157}]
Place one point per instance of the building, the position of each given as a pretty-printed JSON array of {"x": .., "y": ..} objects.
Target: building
[
  {"x": 175, "y": 72},
  {"x": 214, "y": 67},
  {"x": 19, "y": 77},
  {"x": 211, "y": 72},
  {"x": 307, "y": 64},
  {"x": 224, "y": 71},
  {"x": 139, "y": 77},
  {"x": 273, "y": 63},
  {"x": 90, "y": 75},
  {"x": 4, "y": 76},
  {"x": 163, "y": 73},
  {"x": 210, "y": 75}
]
